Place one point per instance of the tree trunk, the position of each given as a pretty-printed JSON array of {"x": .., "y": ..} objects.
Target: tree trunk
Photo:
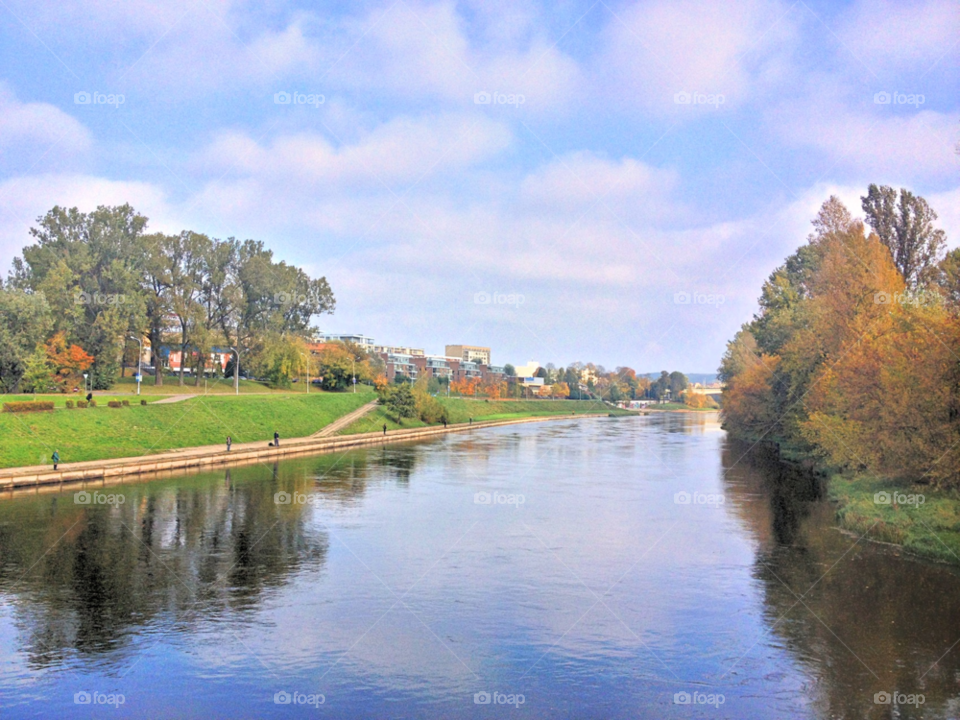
[{"x": 157, "y": 359}]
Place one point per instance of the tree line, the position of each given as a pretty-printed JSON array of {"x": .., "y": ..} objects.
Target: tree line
[
  {"x": 854, "y": 354},
  {"x": 92, "y": 281}
]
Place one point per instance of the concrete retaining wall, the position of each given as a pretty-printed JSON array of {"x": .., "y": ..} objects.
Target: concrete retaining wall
[{"x": 173, "y": 462}]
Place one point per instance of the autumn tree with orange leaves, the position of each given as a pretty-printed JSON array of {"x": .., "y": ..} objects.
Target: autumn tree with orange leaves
[{"x": 849, "y": 362}]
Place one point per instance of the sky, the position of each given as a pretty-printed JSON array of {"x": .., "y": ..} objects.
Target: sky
[{"x": 604, "y": 182}]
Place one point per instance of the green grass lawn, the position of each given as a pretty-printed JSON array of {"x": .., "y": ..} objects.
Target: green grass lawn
[
  {"x": 930, "y": 529},
  {"x": 102, "y": 432},
  {"x": 460, "y": 410}
]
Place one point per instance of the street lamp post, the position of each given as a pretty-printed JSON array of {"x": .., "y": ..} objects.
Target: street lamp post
[
  {"x": 236, "y": 372},
  {"x": 354, "y": 375},
  {"x": 139, "y": 360},
  {"x": 84, "y": 382}
]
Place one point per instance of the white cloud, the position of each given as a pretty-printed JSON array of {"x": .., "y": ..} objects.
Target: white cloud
[
  {"x": 888, "y": 36},
  {"x": 915, "y": 145},
  {"x": 38, "y": 124},
  {"x": 657, "y": 49},
  {"x": 24, "y": 199},
  {"x": 396, "y": 153}
]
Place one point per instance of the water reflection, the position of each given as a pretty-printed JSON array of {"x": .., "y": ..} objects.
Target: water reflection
[
  {"x": 862, "y": 618},
  {"x": 91, "y": 576}
]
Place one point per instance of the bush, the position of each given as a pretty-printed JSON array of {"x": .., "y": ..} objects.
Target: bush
[
  {"x": 143, "y": 402},
  {"x": 125, "y": 403},
  {"x": 93, "y": 403},
  {"x": 112, "y": 403},
  {"x": 81, "y": 403},
  {"x": 28, "y": 406},
  {"x": 69, "y": 404}
]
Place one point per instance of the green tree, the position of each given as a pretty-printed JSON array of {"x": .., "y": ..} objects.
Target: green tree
[
  {"x": 401, "y": 402},
  {"x": 905, "y": 225},
  {"x": 25, "y": 321},
  {"x": 88, "y": 267}
]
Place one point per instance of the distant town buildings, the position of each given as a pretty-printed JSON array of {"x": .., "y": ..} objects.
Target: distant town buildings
[
  {"x": 362, "y": 340},
  {"x": 469, "y": 353},
  {"x": 528, "y": 370}
]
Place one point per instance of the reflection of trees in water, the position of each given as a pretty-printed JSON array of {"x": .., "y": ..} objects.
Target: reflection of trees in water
[
  {"x": 880, "y": 613},
  {"x": 203, "y": 545}
]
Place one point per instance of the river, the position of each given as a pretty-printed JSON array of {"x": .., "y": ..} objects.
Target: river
[{"x": 645, "y": 567}]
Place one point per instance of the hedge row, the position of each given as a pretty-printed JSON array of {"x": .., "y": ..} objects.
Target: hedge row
[{"x": 28, "y": 406}]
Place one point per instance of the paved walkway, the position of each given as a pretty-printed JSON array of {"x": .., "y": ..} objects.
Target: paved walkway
[
  {"x": 174, "y": 398},
  {"x": 347, "y": 420},
  {"x": 209, "y": 456}
]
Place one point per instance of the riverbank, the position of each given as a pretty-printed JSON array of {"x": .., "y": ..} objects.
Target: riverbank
[
  {"x": 103, "y": 472},
  {"x": 920, "y": 519},
  {"x": 106, "y": 433},
  {"x": 461, "y": 410}
]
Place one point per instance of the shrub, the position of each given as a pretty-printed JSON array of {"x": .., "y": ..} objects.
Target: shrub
[
  {"x": 81, "y": 403},
  {"x": 28, "y": 406},
  {"x": 113, "y": 403},
  {"x": 93, "y": 403},
  {"x": 143, "y": 402},
  {"x": 125, "y": 403},
  {"x": 69, "y": 404}
]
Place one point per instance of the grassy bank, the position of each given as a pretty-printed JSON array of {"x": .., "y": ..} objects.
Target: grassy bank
[
  {"x": 102, "y": 432},
  {"x": 460, "y": 410},
  {"x": 930, "y": 529}
]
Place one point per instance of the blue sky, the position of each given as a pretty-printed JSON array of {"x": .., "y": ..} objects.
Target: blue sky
[{"x": 638, "y": 150}]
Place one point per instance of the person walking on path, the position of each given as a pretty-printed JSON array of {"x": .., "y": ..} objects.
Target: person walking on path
[
  {"x": 229, "y": 442},
  {"x": 444, "y": 423},
  {"x": 471, "y": 421},
  {"x": 56, "y": 459},
  {"x": 276, "y": 439},
  {"x": 384, "y": 428}
]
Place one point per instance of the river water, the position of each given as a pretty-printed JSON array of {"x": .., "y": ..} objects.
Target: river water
[{"x": 601, "y": 568}]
